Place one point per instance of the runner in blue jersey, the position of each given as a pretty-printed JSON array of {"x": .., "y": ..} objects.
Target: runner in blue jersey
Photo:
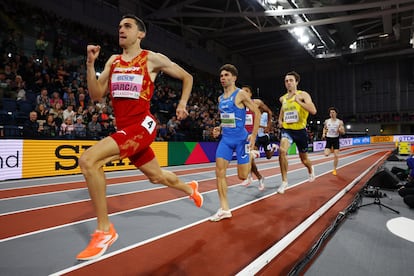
[{"x": 235, "y": 138}]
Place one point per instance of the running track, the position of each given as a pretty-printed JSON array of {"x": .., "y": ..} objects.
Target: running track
[{"x": 45, "y": 222}]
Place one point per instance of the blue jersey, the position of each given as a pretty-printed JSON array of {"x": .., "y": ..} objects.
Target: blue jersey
[
  {"x": 232, "y": 117},
  {"x": 234, "y": 134}
]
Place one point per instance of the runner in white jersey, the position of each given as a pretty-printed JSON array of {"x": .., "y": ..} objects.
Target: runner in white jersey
[{"x": 333, "y": 127}]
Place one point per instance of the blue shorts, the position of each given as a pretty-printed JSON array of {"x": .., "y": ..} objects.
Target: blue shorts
[
  {"x": 228, "y": 145},
  {"x": 300, "y": 137}
]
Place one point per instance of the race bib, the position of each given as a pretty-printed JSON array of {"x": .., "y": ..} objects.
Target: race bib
[
  {"x": 291, "y": 116},
  {"x": 332, "y": 132},
  {"x": 126, "y": 85},
  {"x": 247, "y": 148},
  {"x": 149, "y": 124},
  {"x": 249, "y": 119},
  {"x": 228, "y": 120}
]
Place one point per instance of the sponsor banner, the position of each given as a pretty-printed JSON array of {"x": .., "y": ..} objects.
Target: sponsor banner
[
  {"x": 382, "y": 139},
  {"x": 319, "y": 145},
  {"x": 404, "y": 138},
  {"x": 361, "y": 140},
  {"x": 11, "y": 156},
  {"x": 61, "y": 157},
  {"x": 345, "y": 142}
]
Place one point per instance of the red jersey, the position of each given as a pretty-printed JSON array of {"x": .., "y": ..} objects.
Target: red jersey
[
  {"x": 249, "y": 120},
  {"x": 131, "y": 89}
]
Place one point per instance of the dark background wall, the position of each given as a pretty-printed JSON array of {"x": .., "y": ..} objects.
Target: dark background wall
[{"x": 384, "y": 84}]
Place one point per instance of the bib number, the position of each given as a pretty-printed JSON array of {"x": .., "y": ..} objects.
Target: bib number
[
  {"x": 149, "y": 124},
  {"x": 249, "y": 119},
  {"x": 291, "y": 117},
  {"x": 228, "y": 120},
  {"x": 126, "y": 85}
]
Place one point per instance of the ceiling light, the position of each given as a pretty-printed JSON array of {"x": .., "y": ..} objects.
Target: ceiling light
[
  {"x": 310, "y": 46},
  {"x": 303, "y": 39}
]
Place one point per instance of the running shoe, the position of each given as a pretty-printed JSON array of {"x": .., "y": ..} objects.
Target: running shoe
[
  {"x": 334, "y": 172},
  {"x": 312, "y": 175},
  {"x": 282, "y": 187},
  {"x": 275, "y": 147},
  {"x": 247, "y": 181},
  {"x": 99, "y": 243},
  {"x": 196, "y": 196},
  {"x": 221, "y": 214},
  {"x": 261, "y": 184}
]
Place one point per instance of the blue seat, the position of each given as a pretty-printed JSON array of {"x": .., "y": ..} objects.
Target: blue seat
[
  {"x": 25, "y": 107},
  {"x": 9, "y": 105},
  {"x": 6, "y": 118},
  {"x": 20, "y": 118},
  {"x": 12, "y": 131},
  {"x": 31, "y": 96}
]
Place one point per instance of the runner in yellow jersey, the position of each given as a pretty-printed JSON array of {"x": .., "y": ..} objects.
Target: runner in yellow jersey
[{"x": 296, "y": 106}]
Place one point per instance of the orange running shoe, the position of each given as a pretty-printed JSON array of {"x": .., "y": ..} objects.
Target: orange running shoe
[
  {"x": 99, "y": 243},
  {"x": 334, "y": 172},
  {"x": 196, "y": 196}
]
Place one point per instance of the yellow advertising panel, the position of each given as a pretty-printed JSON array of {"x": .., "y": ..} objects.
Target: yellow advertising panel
[
  {"x": 61, "y": 157},
  {"x": 382, "y": 139},
  {"x": 404, "y": 148}
]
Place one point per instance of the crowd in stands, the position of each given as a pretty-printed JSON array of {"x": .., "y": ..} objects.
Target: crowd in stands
[
  {"x": 46, "y": 96},
  {"x": 44, "y": 93}
]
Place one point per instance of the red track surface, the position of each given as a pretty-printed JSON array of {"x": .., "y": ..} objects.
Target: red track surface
[{"x": 222, "y": 248}]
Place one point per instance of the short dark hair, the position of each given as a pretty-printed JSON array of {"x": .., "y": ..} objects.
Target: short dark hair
[
  {"x": 248, "y": 86},
  {"x": 295, "y": 74},
  {"x": 333, "y": 108},
  {"x": 230, "y": 68},
  {"x": 138, "y": 21}
]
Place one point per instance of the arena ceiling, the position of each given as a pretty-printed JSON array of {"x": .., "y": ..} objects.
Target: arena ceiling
[{"x": 265, "y": 32}]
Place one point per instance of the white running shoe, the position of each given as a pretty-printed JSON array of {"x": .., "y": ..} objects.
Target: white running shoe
[
  {"x": 221, "y": 214},
  {"x": 282, "y": 187},
  {"x": 312, "y": 175},
  {"x": 261, "y": 184},
  {"x": 247, "y": 181}
]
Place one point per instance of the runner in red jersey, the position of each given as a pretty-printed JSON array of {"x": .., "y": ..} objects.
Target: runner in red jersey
[{"x": 129, "y": 78}]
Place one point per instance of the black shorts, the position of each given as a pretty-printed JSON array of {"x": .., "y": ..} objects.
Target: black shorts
[
  {"x": 332, "y": 142},
  {"x": 264, "y": 142},
  {"x": 299, "y": 137}
]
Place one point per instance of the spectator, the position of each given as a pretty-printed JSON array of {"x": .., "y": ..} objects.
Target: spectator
[
  {"x": 80, "y": 128},
  {"x": 107, "y": 128},
  {"x": 69, "y": 112},
  {"x": 94, "y": 127},
  {"x": 50, "y": 128},
  {"x": 162, "y": 134},
  {"x": 43, "y": 98},
  {"x": 31, "y": 128},
  {"x": 57, "y": 112},
  {"x": 81, "y": 100},
  {"x": 70, "y": 98},
  {"x": 42, "y": 112},
  {"x": 173, "y": 122},
  {"x": 67, "y": 129},
  {"x": 56, "y": 99},
  {"x": 103, "y": 115},
  {"x": 41, "y": 45}
]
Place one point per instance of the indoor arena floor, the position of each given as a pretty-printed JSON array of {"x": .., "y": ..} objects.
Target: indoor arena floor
[{"x": 45, "y": 222}]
